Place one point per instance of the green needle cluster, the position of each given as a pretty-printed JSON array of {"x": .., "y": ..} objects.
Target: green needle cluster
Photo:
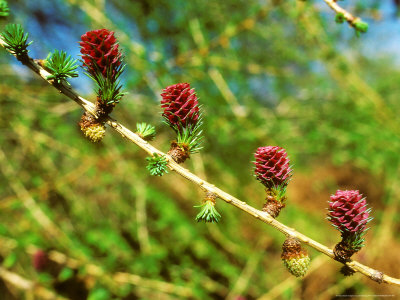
[
  {"x": 4, "y": 10},
  {"x": 157, "y": 165},
  {"x": 339, "y": 18},
  {"x": 208, "y": 213},
  {"x": 16, "y": 40},
  {"x": 109, "y": 87},
  {"x": 145, "y": 131},
  {"x": 360, "y": 26},
  {"x": 61, "y": 66},
  {"x": 191, "y": 136}
]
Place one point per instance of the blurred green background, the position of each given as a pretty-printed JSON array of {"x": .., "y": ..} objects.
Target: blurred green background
[{"x": 267, "y": 72}]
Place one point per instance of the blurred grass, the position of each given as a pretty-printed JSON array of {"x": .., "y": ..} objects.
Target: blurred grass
[{"x": 267, "y": 73}]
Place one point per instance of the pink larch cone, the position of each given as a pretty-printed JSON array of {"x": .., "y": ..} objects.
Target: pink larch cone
[
  {"x": 272, "y": 166},
  {"x": 348, "y": 211},
  {"x": 100, "y": 51},
  {"x": 274, "y": 172},
  {"x": 40, "y": 260},
  {"x": 349, "y": 214},
  {"x": 181, "y": 106}
]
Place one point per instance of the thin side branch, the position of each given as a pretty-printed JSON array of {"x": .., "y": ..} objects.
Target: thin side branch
[
  {"x": 29, "y": 286},
  {"x": 352, "y": 20},
  {"x": 206, "y": 186},
  {"x": 120, "y": 277},
  {"x": 339, "y": 10}
]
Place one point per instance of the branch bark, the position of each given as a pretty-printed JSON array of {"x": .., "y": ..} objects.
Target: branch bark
[
  {"x": 28, "y": 286},
  {"x": 204, "y": 185},
  {"x": 339, "y": 10}
]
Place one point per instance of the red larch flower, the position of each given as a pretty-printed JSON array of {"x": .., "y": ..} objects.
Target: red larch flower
[
  {"x": 272, "y": 166},
  {"x": 100, "y": 51},
  {"x": 348, "y": 211},
  {"x": 181, "y": 106}
]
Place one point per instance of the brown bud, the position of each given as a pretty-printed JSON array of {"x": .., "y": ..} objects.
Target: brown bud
[
  {"x": 93, "y": 129},
  {"x": 294, "y": 257},
  {"x": 292, "y": 247},
  {"x": 210, "y": 196}
]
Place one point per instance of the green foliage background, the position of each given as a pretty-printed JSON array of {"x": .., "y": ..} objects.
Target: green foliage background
[{"x": 267, "y": 73}]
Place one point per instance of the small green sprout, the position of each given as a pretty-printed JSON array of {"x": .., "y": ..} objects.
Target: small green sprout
[
  {"x": 145, "y": 131},
  {"x": 340, "y": 18},
  {"x": 61, "y": 66},
  {"x": 157, "y": 165},
  {"x": 208, "y": 212},
  {"x": 360, "y": 26},
  {"x": 4, "y": 10},
  {"x": 191, "y": 136},
  {"x": 109, "y": 87},
  {"x": 16, "y": 40}
]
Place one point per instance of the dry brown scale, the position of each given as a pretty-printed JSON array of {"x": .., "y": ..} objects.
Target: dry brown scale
[
  {"x": 179, "y": 153},
  {"x": 210, "y": 196},
  {"x": 347, "y": 271},
  {"x": 103, "y": 109},
  {"x": 343, "y": 251},
  {"x": 292, "y": 248},
  {"x": 273, "y": 206}
]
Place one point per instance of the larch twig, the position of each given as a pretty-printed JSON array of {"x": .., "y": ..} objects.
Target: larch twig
[{"x": 204, "y": 185}]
